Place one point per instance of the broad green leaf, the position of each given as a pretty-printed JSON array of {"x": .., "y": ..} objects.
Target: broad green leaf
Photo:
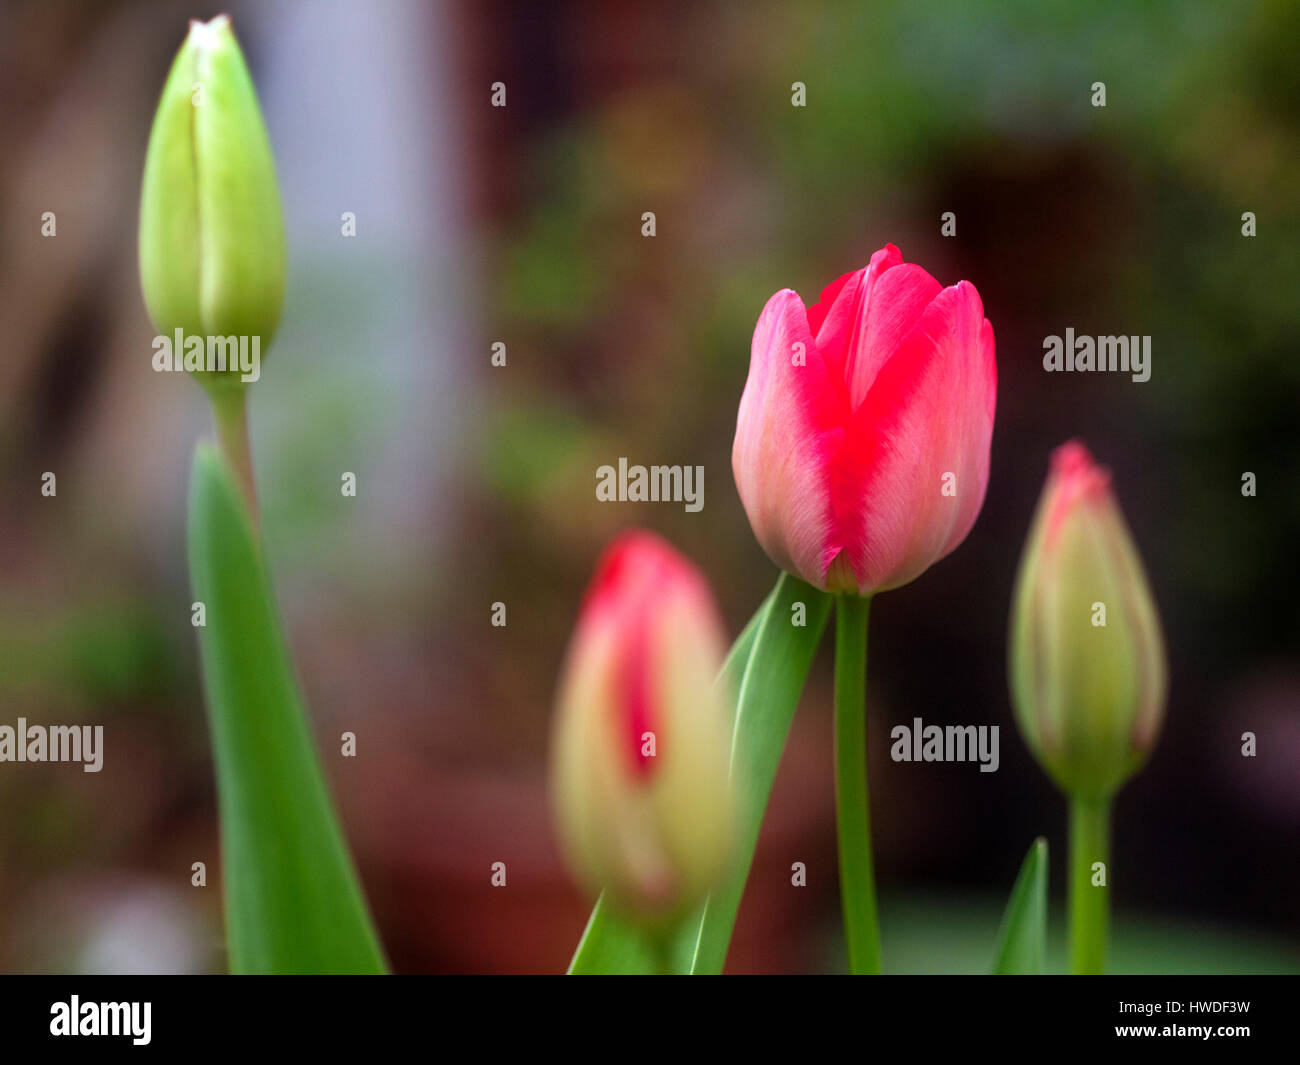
[
  {"x": 1022, "y": 940},
  {"x": 612, "y": 945},
  {"x": 293, "y": 903},
  {"x": 765, "y": 704},
  {"x": 733, "y": 669}
]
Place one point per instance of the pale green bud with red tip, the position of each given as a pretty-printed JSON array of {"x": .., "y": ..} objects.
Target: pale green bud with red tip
[
  {"x": 212, "y": 247},
  {"x": 640, "y": 761},
  {"x": 1087, "y": 658}
]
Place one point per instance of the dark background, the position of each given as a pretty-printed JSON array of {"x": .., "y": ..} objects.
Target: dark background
[{"x": 476, "y": 484}]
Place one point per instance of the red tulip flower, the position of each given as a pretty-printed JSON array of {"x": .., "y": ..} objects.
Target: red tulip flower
[{"x": 862, "y": 443}]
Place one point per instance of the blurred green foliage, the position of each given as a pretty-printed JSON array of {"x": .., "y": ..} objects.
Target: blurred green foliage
[{"x": 931, "y": 933}]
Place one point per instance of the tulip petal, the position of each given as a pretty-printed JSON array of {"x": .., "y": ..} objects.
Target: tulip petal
[
  {"x": 791, "y": 421},
  {"x": 169, "y": 251},
  {"x": 894, "y": 302},
  {"x": 864, "y": 316},
  {"x": 242, "y": 245},
  {"x": 929, "y": 412},
  {"x": 838, "y": 315},
  {"x": 821, "y": 310}
]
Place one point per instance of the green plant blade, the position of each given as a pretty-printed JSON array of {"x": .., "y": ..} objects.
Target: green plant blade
[
  {"x": 1022, "y": 940},
  {"x": 610, "y": 944},
  {"x": 765, "y": 704},
  {"x": 293, "y": 903},
  {"x": 733, "y": 669}
]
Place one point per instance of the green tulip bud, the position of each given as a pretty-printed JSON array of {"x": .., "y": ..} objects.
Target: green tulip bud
[
  {"x": 1087, "y": 659},
  {"x": 212, "y": 249}
]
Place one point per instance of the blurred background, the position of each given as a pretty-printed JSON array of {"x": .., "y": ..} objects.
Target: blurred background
[{"x": 522, "y": 225}]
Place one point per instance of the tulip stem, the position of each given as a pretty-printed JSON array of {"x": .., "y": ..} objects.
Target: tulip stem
[
  {"x": 852, "y": 811},
  {"x": 1089, "y": 901},
  {"x": 231, "y": 417}
]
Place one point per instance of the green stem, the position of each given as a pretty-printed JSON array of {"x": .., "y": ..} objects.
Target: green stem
[
  {"x": 231, "y": 417},
  {"x": 1089, "y": 905},
  {"x": 853, "y": 819}
]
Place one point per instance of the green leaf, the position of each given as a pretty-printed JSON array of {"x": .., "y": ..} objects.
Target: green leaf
[
  {"x": 733, "y": 669},
  {"x": 1022, "y": 940},
  {"x": 766, "y": 700},
  {"x": 293, "y": 903},
  {"x": 611, "y": 945}
]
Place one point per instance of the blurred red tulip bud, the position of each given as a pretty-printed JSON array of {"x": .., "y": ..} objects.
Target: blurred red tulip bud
[{"x": 639, "y": 773}]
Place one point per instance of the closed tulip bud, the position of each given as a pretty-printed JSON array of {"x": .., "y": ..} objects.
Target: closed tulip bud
[
  {"x": 1087, "y": 659},
  {"x": 862, "y": 443},
  {"x": 212, "y": 248},
  {"x": 639, "y": 774}
]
